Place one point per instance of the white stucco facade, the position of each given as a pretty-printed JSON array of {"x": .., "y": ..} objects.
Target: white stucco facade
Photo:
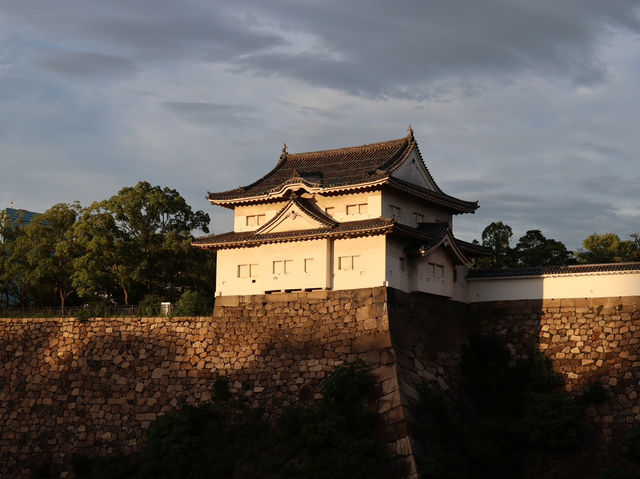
[
  {"x": 341, "y": 219},
  {"x": 368, "y": 216},
  {"x": 588, "y": 285},
  {"x": 338, "y": 264}
]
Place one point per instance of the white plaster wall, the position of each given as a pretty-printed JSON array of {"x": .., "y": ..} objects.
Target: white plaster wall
[
  {"x": 241, "y": 212},
  {"x": 410, "y": 205},
  {"x": 398, "y": 278},
  {"x": 460, "y": 288},
  {"x": 423, "y": 279},
  {"x": 417, "y": 275},
  {"x": 228, "y": 283},
  {"x": 369, "y": 269},
  {"x": 594, "y": 285},
  {"x": 339, "y": 204}
]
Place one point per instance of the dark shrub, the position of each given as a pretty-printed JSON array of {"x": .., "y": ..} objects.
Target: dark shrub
[
  {"x": 554, "y": 421},
  {"x": 194, "y": 304},
  {"x": 632, "y": 444},
  {"x": 593, "y": 393},
  {"x": 122, "y": 467},
  {"x": 221, "y": 389},
  {"x": 150, "y": 306},
  {"x": 617, "y": 473}
]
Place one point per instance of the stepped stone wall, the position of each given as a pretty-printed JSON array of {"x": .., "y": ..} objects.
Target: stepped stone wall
[
  {"x": 70, "y": 388},
  {"x": 591, "y": 340}
]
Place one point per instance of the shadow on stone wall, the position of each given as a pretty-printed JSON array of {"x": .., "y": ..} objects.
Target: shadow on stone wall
[
  {"x": 93, "y": 389},
  {"x": 590, "y": 341}
]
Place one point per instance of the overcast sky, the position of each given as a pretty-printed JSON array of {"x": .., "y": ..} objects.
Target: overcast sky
[{"x": 530, "y": 107}]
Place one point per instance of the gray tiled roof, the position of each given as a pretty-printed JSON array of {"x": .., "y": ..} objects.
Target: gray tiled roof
[
  {"x": 345, "y": 167},
  {"x": 548, "y": 270},
  {"x": 251, "y": 238}
]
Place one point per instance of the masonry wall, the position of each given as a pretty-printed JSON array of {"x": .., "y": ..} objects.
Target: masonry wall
[
  {"x": 589, "y": 340},
  {"x": 70, "y": 388}
]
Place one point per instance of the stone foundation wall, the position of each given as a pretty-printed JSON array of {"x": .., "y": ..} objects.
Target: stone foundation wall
[
  {"x": 93, "y": 389},
  {"x": 70, "y": 388},
  {"x": 594, "y": 340}
]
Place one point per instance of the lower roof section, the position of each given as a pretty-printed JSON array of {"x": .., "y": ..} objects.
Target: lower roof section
[
  {"x": 555, "y": 270},
  {"x": 245, "y": 239},
  {"x": 426, "y": 236}
]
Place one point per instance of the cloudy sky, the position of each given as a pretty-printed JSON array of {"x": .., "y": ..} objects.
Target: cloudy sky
[{"x": 530, "y": 107}]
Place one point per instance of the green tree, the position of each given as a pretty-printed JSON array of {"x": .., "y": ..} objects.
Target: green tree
[
  {"x": 10, "y": 274},
  {"x": 534, "y": 249},
  {"x": 496, "y": 236},
  {"x": 50, "y": 249},
  {"x": 608, "y": 248},
  {"x": 107, "y": 265},
  {"x": 138, "y": 241},
  {"x": 17, "y": 275}
]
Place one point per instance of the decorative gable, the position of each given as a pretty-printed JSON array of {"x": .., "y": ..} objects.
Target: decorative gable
[
  {"x": 297, "y": 215},
  {"x": 413, "y": 171}
]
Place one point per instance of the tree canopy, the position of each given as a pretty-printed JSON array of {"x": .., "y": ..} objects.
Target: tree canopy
[
  {"x": 136, "y": 243},
  {"x": 535, "y": 249},
  {"x": 50, "y": 249},
  {"x": 609, "y": 248},
  {"x": 532, "y": 249}
]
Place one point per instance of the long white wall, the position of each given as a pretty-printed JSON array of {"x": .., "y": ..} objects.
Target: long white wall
[{"x": 589, "y": 285}]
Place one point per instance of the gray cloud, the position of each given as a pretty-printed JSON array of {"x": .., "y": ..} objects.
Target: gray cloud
[
  {"x": 329, "y": 114},
  {"x": 399, "y": 49},
  {"x": 534, "y": 98},
  {"x": 213, "y": 113},
  {"x": 613, "y": 186},
  {"x": 158, "y": 31},
  {"x": 406, "y": 49},
  {"x": 207, "y": 35},
  {"x": 569, "y": 219},
  {"x": 87, "y": 65}
]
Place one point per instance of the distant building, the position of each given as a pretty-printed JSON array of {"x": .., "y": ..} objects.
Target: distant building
[
  {"x": 348, "y": 218},
  {"x": 18, "y": 215}
]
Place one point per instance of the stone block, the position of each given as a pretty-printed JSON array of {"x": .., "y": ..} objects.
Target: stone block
[
  {"x": 227, "y": 301},
  {"x": 383, "y": 373}
]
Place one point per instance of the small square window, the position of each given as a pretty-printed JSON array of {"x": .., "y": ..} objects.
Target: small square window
[
  {"x": 288, "y": 266},
  {"x": 395, "y": 210},
  {"x": 247, "y": 270},
  {"x": 347, "y": 263},
  {"x": 309, "y": 265},
  {"x": 255, "y": 220},
  {"x": 359, "y": 209},
  {"x": 278, "y": 267}
]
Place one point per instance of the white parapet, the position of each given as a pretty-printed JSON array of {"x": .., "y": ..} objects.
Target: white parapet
[{"x": 595, "y": 284}]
